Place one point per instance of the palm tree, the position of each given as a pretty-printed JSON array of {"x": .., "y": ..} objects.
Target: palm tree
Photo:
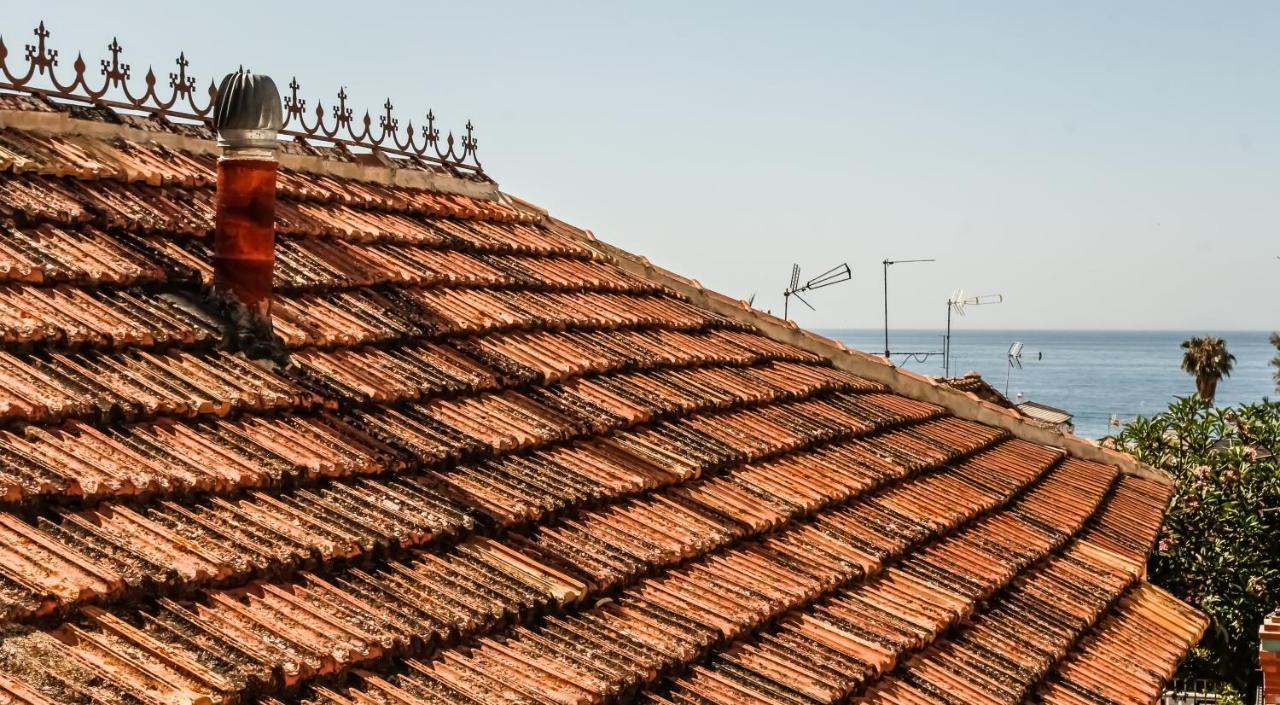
[
  {"x": 1208, "y": 361},
  {"x": 1275, "y": 361}
]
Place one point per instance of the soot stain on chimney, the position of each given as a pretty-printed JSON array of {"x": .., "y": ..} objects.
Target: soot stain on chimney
[{"x": 244, "y": 329}]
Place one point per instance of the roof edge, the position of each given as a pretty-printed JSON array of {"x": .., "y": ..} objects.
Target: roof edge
[
  {"x": 961, "y": 404},
  {"x": 59, "y": 123},
  {"x": 1203, "y": 623}
]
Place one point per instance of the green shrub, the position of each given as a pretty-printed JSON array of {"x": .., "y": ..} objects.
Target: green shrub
[
  {"x": 1230, "y": 696},
  {"x": 1219, "y": 549}
]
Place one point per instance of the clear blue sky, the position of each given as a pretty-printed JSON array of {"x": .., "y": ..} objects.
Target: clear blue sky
[{"x": 1102, "y": 164}]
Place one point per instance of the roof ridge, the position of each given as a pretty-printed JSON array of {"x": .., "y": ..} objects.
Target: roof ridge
[
  {"x": 386, "y": 173},
  {"x": 900, "y": 381}
]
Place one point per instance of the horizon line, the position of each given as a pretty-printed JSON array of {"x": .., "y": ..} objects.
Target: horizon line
[{"x": 880, "y": 330}]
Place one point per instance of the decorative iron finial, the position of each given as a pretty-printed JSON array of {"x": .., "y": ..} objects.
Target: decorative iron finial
[
  {"x": 115, "y": 71},
  {"x": 293, "y": 104},
  {"x": 40, "y": 57},
  {"x": 430, "y": 133},
  {"x": 389, "y": 124},
  {"x": 39, "y": 77}
]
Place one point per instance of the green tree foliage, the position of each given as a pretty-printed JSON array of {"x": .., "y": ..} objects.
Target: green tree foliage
[
  {"x": 1220, "y": 546},
  {"x": 1208, "y": 361}
]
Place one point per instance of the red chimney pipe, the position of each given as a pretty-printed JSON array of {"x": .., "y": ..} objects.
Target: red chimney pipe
[
  {"x": 247, "y": 116},
  {"x": 1269, "y": 659}
]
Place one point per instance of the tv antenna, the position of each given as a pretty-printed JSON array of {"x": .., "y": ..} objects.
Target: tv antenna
[
  {"x": 920, "y": 356},
  {"x": 1015, "y": 360},
  {"x": 836, "y": 275},
  {"x": 957, "y": 303}
]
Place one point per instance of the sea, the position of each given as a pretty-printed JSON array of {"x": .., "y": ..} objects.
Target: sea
[{"x": 1092, "y": 374}]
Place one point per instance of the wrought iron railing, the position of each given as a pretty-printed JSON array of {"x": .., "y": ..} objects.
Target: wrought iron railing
[
  {"x": 38, "y": 74},
  {"x": 1186, "y": 693},
  {"x": 1200, "y": 691}
]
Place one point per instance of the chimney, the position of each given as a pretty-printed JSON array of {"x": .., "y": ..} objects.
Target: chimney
[
  {"x": 1269, "y": 659},
  {"x": 247, "y": 116}
]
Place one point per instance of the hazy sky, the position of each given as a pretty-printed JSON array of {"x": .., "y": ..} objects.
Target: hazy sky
[{"x": 1102, "y": 164}]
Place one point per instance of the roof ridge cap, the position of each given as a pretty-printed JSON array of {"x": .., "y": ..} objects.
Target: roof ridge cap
[{"x": 63, "y": 124}]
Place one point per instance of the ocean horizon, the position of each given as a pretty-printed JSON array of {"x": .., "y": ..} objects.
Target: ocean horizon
[{"x": 1094, "y": 374}]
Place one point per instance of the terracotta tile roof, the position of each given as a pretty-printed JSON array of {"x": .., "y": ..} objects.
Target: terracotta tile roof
[
  {"x": 505, "y": 463},
  {"x": 973, "y": 383}
]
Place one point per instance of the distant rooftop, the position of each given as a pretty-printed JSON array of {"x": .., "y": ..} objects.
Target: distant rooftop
[
  {"x": 973, "y": 383},
  {"x": 1044, "y": 412}
]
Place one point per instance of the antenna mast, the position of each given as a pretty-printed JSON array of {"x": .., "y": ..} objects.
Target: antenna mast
[
  {"x": 836, "y": 275},
  {"x": 886, "y": 264},
  {"x": 1015, "y": 360},
  {"x": 957, "y": 303}
]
